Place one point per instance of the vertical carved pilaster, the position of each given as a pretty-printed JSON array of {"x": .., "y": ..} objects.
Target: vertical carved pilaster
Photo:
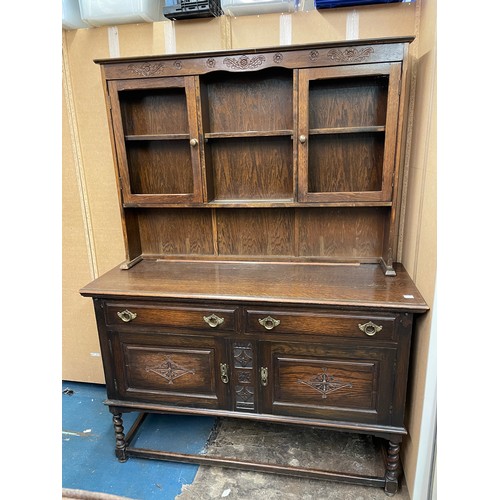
[
  {"x": 392, "y": 469},
  {"x": 243, "y": 367},
  {"x": 120, "y": 438}
]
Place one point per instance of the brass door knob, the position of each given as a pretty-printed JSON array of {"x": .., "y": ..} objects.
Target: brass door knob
[
  {"x": 302, "y": 138},
  {"x": 193, "y": 142}
]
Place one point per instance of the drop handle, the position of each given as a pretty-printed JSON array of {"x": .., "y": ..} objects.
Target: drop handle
[
  {"x": 370, "y": 328},
  {"x": 223, "y": 373},
  {"x": 263, "y": 375},
  {"x": 302, "y": 139},
  {"x": 126, "y": 315},
  {"x": 213, "y": 320},
  {"x": 269, "y": 323},
  {"x": 193, "y": 142}
]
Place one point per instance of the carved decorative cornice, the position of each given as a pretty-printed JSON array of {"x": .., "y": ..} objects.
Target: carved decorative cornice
[
  {"x": 244, "y": 62},
  {"x": 146, "y": 69},
  {"x": 350, "y": 54}
]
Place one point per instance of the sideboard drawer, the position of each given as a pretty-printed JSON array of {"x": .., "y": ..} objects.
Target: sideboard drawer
[
  {"x": 168, "y": 315},
  {"x": 342, "y": 324}
]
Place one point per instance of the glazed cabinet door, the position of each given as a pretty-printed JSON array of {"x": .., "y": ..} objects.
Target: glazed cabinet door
[
  {"x": 323, "y": 381},
  {"x": 157, "y": 139},
  {"x": 347, "y": 129},
  {"x": 179, "y": 370}
]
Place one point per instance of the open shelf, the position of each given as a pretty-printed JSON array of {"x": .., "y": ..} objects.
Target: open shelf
[
  {"x": 347, "y": 130},
  {"x": 248, "y": 133},
  {"x": 156, "y": 137},
  {"x": 251, "y": 168},
  {"x": 346, "y": 163},
  {"x": 264, "y": 99}
]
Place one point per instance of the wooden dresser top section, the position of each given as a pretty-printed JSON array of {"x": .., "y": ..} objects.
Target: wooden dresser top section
[
  {"x": 338, "y": 53},
  {"x": 282, "y": 283}
]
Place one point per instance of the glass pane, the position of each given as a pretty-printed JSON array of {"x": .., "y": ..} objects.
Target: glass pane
[
  {"x": 160, "y": 167},
  {"x": 345, "y": 162},
  {"x": 154, "y": 111},
  {"x": 348, "y": 102}
]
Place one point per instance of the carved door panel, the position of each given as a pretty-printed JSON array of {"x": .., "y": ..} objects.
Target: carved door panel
[
  {"x": 325, "y": 381},
  {"x": 180, "y": 370}
]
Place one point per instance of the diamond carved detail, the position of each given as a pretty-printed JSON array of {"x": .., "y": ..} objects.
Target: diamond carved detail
[
  {"x": 325, "y": 383},
  {"x": 244, "y": 394},
  {"x": 243, "y": 355},
  {"x": 169, "y": 370}
]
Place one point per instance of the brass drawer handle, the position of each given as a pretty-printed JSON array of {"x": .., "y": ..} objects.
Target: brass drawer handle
[
  {"x": 223, "y": 373},
  {"x": 126, "y": 315},
  {"x": 269, "y": 323},
  {"x": 263, "y": 375},
  {"x": 213, "y": 320},
  {"x": 370, "y": 328}
]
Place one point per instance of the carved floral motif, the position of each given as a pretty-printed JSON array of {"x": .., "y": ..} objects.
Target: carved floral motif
[
  {"x": 278, "y": 58},
  {"x": 146, "y": 69},
  {"x": 350, "y": 54},
  {"x": 313, "y": 55},
  {"x": 324, "y": 383},
  {"x": 244, "y": 62},
  {"x": 211, "y": 62},
  {"x": 178, "y": 65}
]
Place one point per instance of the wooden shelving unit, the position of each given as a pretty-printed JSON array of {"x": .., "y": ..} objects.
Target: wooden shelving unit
[{"x": 260, "y": 198}]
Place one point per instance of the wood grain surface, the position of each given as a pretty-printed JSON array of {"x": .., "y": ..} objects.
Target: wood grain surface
[{"x": 343, "y": 285}]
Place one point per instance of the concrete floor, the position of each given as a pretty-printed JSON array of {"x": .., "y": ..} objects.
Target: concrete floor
[
  {"x": 297, "y": 446},
  {"x": 91, "y": 471}
]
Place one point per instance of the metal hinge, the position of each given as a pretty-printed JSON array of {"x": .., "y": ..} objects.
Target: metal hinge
[
  {"x": 115, "y": 383},
  {"x": 108, "y": 101}
]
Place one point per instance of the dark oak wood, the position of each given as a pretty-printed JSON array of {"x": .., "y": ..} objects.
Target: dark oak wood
[
  {"x": 335, "y": 285},
  {"x": 260, "y": 201}
]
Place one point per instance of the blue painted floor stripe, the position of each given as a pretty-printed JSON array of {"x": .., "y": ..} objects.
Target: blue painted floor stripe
[{"x": 88, "y": 459}]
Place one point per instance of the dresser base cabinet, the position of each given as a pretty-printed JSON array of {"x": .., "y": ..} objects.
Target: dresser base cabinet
[
  {"x": 336, "y": 361},
  {"x": 260, "y": 199}
]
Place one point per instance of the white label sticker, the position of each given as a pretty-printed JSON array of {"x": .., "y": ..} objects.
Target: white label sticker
[{"x": 408, "y": 296}]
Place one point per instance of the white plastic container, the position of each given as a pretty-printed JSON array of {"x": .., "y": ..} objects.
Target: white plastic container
[
  {"x": 71, "y": 17},
  {"x": 111, "y": 12},
  {"x": 237, "y": 8}
]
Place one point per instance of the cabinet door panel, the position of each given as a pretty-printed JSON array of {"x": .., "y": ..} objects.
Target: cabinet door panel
[
  {"x": 157, "y": 139},
  {"x": 173, "y": 369},
  {"x": 347, "y": 132},
  {"x": 328, "y": 382}
]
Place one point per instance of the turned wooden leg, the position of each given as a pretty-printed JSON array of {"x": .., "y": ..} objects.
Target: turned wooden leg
[
  {"x": 392, "y": 469},
  {"x": 120, "y": 438}
]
